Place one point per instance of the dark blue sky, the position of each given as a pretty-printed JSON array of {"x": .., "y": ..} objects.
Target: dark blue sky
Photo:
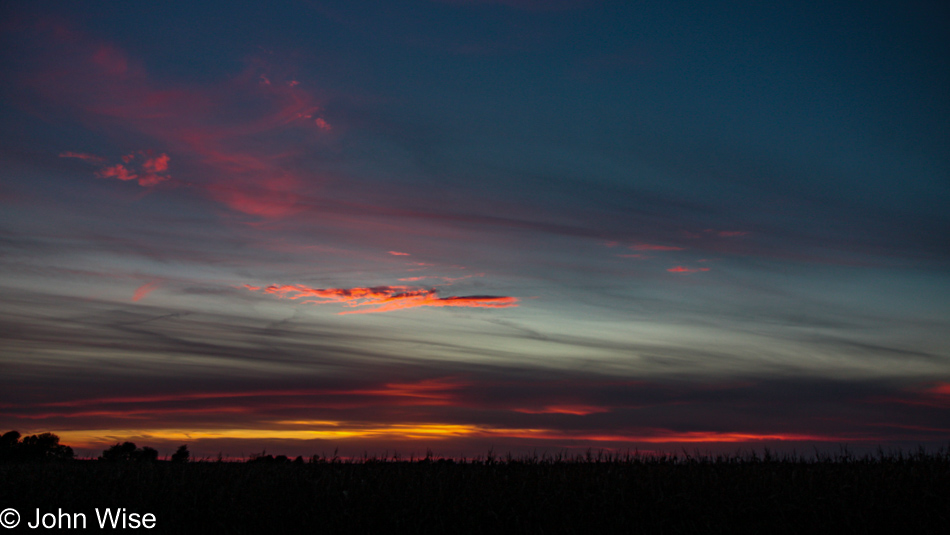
[{"x": 456, "y": 224}]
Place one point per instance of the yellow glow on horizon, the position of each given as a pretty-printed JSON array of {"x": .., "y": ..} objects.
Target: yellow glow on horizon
[
  {"x": 335, "y": 430},
  {"x": 294, "y": 430}
]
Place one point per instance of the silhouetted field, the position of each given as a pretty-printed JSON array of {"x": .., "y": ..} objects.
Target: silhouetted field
[{"x": 751, "y": 494}]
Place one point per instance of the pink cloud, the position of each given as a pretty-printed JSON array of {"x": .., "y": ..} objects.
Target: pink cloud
[
  {"x": 322, "y": 124},
  {"x": 111, "y": 60},
  {"x": 82, "y": 156},
  {"x": 681, "y": 269},
  {"x": 106, "y": 88},
  {"x": 145, "y": 289},
  {"x": 397, "y": 253}
]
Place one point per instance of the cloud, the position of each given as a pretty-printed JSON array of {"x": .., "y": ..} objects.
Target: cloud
[
  {"x": 145, "y": 289},
  {"x": 428, "y": 298},
  {"x": 82, "y": 156},
  {"x": 681, "y": 269},
  {"x": 653, "y": 247},
  {"x": 577, "y": 410},
  {"x": 384, "y": 385},
  {"x": 158, "y": 164},
  {"x": 386, "y": 298},
  {"x": 731, "y": 233},
  {"x": 116, "y": 171},
  {"x": 397, "y": 253},
  {"x": 941, "y": 389},
  {"x": 228, "y": 131},
  {"x": 149, "y": 175}
]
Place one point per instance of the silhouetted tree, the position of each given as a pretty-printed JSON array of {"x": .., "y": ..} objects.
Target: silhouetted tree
[
  {"x": 146, "y": 454},
  {"x": 42, "y": 447},
  {"x": 8, "y": 444},
  {"x": 182, "y": 455},
  {"x": 268, "y": 458},
  {"x": 118, "y": 452},
  {"x": 128, "y": 452}
]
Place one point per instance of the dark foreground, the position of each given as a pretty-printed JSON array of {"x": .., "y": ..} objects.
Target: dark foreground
[{"x": 907, "y": 493}]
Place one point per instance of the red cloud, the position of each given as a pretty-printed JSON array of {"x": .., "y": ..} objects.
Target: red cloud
[
  {"x": 82, "y": 156},
  {"x": 387, "y": 298},
  {"x": 681, "y": 269},
  {"x": 425, "y": 392},
  {"x": 941, "y": 388},
  {"x": 151, "y": 170},
  {"x": 577, "y": 410},
  {"x": 156, "y": 165},
  {"x": 116, "y": 171}
]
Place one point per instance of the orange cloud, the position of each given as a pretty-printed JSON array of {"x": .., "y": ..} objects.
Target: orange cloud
[
  {"x": 387, "y": 298},
  {"x": 397, "y": 253},
  {"x": 428, "y": 298},
  {"x": 681, "y": 269}
]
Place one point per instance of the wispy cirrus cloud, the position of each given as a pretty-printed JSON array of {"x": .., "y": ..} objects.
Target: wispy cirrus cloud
[
  {"x": 683, "y": 269},
  {"x": 145, "y": 289},
  {"x": 654, "y": 247},
  {"x": 82, "y": 156},
  {"x": 385, "y": 298}
]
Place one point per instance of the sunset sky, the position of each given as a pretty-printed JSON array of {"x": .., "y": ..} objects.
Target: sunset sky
[{"x": 457, "y": 225}]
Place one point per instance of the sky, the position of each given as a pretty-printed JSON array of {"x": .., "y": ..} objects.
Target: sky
[{"x": 461, "y": 225}]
